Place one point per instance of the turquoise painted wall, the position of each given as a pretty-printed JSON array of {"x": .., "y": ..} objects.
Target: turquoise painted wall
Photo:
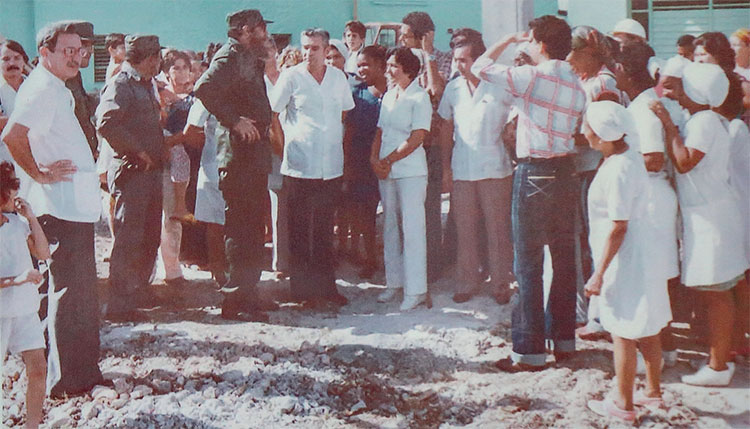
[
  {"x": 545, "y": 7},
  {"x": 192, "y": 24}
]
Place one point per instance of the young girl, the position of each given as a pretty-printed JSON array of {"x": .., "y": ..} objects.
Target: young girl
[
  {"x": 20, "y": 328},
  {"x": 633, "y": 299}
]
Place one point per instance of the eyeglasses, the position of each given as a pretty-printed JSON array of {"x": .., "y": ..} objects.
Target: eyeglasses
[{"x": 71, "y": 51}]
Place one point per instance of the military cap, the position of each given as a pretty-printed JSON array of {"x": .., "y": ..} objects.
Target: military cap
[
  {"x": 249, "y": 17},
  {"x": 84, "y": 29},
  {"x": 143, "y": 45}
]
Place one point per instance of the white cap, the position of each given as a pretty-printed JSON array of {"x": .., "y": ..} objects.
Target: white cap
[
  {"x": 609, "y": 120},
  {"x": 655, "y": 65},
  {"x": 673, "y": 67},
  {"x": 340, "y": 46},
  {"x": 705, "y": 83},
  {"x": 630, "y": 26}
]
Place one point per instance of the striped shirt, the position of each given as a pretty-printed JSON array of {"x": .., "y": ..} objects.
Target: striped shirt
[{"x": 550, "y": 103}]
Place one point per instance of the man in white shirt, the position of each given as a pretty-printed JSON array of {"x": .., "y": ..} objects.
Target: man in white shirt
[
  {"x": 477, "y": 168},
  {"x": 354, "y": 38},
  {"x": 47, "y": 141},
  {"x": 12, "y": 61},
  {"x": 314, "y": 98}
]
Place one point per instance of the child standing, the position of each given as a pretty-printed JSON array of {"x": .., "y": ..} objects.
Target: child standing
[{"x": 20, "y": 328}]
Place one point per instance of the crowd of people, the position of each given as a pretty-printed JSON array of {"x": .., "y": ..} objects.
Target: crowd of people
[{"x": 633, "y": 170}]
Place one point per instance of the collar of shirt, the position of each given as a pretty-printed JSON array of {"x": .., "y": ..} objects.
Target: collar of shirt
[
  {"x": 129, "y": 70},
  {"x": 54, "y": 80}
]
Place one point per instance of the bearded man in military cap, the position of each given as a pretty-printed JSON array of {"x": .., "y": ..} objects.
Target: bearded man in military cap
[
  {"x": 128, "y": 118},
  {"x": 85, "y": 103},
  {"x": 233, "y": 90}
]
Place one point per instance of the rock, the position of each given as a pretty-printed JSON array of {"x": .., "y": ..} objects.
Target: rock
[
  {"x": 358, "y": 407},
  {"x": 285, "y": 403},
  {"x": 89, "y": 410},
  {"x": 232, "y": 376},
  {"x": 191, "y": 385},
  {"x": 162, "y": 386},
  {"x": 209, "y": 392},
  {"x": 180, "y": 381},
  {"x": 103, "y": 394},
  {"x": 140, "y": 391},
  {"x": 266, "y": 358},
  {"x": 122, "y": 385},
  {"x": 121, "y": 401},
  {"x": 325, "y": 360},
  {"x": 60, "y": 422}
]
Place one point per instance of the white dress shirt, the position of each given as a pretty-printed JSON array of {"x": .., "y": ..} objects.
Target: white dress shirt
[
  {"x": 478, "y": 120},
  {"x": 313, "y": 147},
  {"x": 46, "y": 107},
  {"x": 401, "y": 112}
]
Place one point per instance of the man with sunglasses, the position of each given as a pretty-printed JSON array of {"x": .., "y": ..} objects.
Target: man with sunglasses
[{"x": 47, "y": 142}]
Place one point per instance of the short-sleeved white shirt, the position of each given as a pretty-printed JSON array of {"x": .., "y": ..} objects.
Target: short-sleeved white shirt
[
  {"x": 401, "y": 112},
  {"x": 478, "y": 120},
  {"x": 46, "y": 107},
  {"x": 708, "y": 181},
  {"x": 313, "y": 146},
  {"x": 15, "y": 259}
]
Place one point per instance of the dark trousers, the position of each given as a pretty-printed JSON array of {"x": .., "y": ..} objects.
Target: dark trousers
[
  {"x": 137, "y": 227},
  {"x": 543, "y": 212},
  {"x": 76, "y": 317},
  {"x": 433, "y": 216},
  {"x": 245, "y": 192},
  {"x": 312, "y": 203}
]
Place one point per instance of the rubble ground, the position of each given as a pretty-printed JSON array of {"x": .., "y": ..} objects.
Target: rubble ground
[{"x": 365, "y": 366}]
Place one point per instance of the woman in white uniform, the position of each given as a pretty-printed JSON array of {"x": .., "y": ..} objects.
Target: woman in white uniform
[
  {"x": 632, "y": 290},
  {"x": 399, "y": 161},
  {"x": 713, "y": 258},
  {"x": 634, "y": 78}
]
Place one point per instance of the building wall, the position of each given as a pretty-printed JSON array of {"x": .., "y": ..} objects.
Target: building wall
[{"x": 192, "y": 24}]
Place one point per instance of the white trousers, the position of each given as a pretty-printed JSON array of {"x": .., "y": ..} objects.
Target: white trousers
[
  {"x": 171, "y": 231},
  {"x": 405, "y": 260}
]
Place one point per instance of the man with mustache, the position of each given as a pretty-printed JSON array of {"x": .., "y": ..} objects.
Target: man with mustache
[
  {"x": 47, "y": 142},
  {"x": 12, "y": 60}
]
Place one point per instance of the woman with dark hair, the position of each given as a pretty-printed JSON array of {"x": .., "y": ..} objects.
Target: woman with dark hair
[
  {"x": 361, "y": 193},
  {"x": 176, "y": 99},
  {"x": 634, "y": 304},
  {"x": 591, "y": 57},
  {"x": 713, "y": 260},
  {"x": 661, "y": 200},
  {"x": 399, "y": 161}
]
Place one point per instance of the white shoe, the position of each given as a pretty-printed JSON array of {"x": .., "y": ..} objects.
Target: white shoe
[
  {"x": 707, "y": 376},
  {"x": 412, "y": 301},
  {"x": 388, "y": 294}
]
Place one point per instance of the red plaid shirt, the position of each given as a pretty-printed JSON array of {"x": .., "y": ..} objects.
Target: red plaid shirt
[{"x": 550, "y": 103}]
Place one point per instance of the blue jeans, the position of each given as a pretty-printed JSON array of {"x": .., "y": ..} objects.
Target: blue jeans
[{"x": 543, "y": 212}]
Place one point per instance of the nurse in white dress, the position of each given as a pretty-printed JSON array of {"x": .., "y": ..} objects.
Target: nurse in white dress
[
  {"x": 713, "y": 257},
  {"x": 399, "y": 161},
  {"x": 632, "y": 290}
]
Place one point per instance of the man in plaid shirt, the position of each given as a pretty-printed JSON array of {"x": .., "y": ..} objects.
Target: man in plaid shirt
[{"x": 550, "y": 101}]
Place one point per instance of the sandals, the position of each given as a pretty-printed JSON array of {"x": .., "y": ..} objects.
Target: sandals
[{"x": 608, "y": 408}]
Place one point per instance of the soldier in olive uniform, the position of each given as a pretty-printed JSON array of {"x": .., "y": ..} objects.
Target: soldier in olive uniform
[
  {"x": 128, "y": 118},
  {"x": 85, "y": 103},
  {"x": 233, "y": 90}
]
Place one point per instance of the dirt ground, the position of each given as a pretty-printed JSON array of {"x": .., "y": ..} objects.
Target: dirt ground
[{"x": 365, "y": 366}]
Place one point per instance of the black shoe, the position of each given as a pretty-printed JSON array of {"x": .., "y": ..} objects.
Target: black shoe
[
  {"x": 562, "y": 357},
  {"x": 461, "y": 297},
  {"x": 367, "y": 272},
  {"x": 244, "y": 316},
  {"x": 338, "y": 299},
  {"x": 507, "y": 365}
]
